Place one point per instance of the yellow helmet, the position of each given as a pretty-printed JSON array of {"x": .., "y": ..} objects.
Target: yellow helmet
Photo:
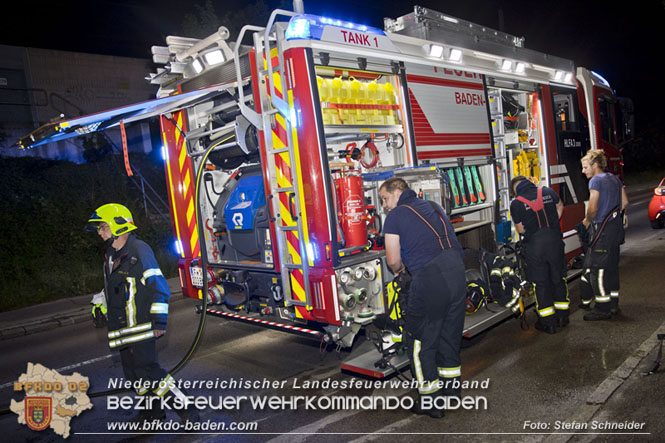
[{"x": 117, "y": 216}]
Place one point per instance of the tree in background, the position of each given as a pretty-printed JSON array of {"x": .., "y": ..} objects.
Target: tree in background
[
  {"x": 205, "y": 19},
  {"x": 44, "y": 205}
]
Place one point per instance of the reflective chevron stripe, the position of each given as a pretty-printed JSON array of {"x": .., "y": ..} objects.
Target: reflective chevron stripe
[
  {"x": 450, "y": 372},
  {"x": 159, "y": 308},
  {"x": 131, "y": 339},
  {"x": 153, "y": 272},
  {"x": 124, "y": 331}
]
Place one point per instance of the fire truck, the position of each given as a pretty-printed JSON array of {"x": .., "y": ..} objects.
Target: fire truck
[{"x": 274, "y": 151}]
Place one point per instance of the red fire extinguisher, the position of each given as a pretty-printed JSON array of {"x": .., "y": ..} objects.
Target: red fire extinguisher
[{"x": 351, "y": 209}]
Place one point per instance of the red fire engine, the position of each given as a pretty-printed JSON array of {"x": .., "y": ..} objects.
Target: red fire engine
[{"x": 274, "y": 153}]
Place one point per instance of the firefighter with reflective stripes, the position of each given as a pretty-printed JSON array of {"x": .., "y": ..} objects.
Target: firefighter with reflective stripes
[
  {"x": 137, "y": 297},
  {"x": 607, "y": 200},
  {"x": 421, "y": 242},
  {"x": 536, "y": 212}
]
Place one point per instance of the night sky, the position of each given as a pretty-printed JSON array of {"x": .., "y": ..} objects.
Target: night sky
[{"x": 623, "y": 41}]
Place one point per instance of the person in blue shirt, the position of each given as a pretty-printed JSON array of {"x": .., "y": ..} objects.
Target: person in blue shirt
[
  {"x": 420, "y": 241},
  {"x": 607, "y": 200}
]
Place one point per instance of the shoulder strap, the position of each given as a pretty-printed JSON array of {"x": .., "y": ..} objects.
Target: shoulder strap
[
  {"x": 439, "y": 234},
  {"x": 537, "y": 206}
]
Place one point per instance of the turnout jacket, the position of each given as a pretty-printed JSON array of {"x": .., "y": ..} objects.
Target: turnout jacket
[{"x": 137, "y": 294}]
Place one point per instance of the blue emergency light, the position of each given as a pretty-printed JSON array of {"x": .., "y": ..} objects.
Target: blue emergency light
[
  {"x": 306, "y": 26},
  {"x": 601, "y": 79}
]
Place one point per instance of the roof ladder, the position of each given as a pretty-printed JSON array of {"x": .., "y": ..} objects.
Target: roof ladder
[{"x": 275, "y": 120}]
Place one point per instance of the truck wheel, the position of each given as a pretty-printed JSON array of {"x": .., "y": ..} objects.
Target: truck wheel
[{"x": 656, "y": 224}]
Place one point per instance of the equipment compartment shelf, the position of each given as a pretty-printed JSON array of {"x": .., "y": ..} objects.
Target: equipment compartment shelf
[
  {"x": 470, "y": 208},
  {"x": 468, "y": 225}
]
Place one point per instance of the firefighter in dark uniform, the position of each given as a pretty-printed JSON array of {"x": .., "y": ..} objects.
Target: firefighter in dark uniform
[
  {"x": 607, "y": 200},
  {"x": 137, "y": 297},
  {"x": 420, "y": 241},
  {"x": 536, "y": 212}
]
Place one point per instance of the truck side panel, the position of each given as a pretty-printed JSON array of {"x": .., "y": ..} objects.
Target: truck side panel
[{"x": 449, "y": 113}]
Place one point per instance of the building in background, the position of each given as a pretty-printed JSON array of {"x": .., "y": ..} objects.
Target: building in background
[{"x": 41, "y": 85}]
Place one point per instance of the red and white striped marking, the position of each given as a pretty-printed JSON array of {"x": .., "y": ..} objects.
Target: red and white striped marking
[{"x": 264, "y": 322}]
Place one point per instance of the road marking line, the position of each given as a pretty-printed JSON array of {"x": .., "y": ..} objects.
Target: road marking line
[
  {"x": 304, "y": 432},
  {"x": 386, "y": 430},
  {"x": 66, "y": 368}
]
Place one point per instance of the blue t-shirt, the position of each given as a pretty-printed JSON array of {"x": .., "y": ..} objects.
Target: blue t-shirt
[
  {"x": 418, "y": 244},
  {"x": 609, "y": 189}
]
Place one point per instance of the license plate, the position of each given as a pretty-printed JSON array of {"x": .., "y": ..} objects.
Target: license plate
[{"x": 196, "y": 274}]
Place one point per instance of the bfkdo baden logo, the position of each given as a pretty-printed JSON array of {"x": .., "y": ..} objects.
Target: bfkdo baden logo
[
  {"x": 38, "y": 412},
  {"x": 51, "y": 400}
]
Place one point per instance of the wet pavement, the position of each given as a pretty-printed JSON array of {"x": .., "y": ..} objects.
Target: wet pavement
[{"x": 539, "y": 384}]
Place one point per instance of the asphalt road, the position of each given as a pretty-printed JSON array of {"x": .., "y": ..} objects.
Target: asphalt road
[{"x": 537, "y": 383}]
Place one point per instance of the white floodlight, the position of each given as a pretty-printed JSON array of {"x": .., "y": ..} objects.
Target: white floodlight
[
  {"x": 506, "y": 64},
  {"x": 455, "y": 55},
  {"x": 197, "y": 65},
  {"x": 520, "y": 68},
  {"x": 435, "y": 51},
  {"x": 214, "y": 57}
]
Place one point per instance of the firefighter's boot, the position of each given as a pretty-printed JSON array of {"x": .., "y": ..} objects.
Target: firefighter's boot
[
  {"x": 422, "y": 407},
  {"x": 451, "y": 387},
  {"x": 548, "y": 328},
  {"x": 190, "y": 414},
  {"x": 586, "y": 290},
  {"x": 153, "y": 411},
  {"x": 186, "y": 412}
]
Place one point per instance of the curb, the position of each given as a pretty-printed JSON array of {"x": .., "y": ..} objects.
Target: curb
[
  {"x": 595, "y": 402},
  {"x": 79, "y": 316},
  {"x": 70, "y": 315}
]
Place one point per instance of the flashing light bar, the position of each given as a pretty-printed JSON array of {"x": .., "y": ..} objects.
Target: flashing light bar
[
  {"x": 601, "y": 79},
  {"x": 306, "y": 26},
  {"x": 178, "y": 247}
]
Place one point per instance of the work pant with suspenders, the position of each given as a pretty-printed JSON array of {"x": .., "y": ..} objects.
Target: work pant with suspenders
[
  {"x": 435, "y": 318},
  {"x": 603, "y": 261},
  {"x": 546, "y": 265}
]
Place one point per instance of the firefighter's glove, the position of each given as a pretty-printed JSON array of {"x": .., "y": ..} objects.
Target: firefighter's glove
[
  {"x": 583, "y": 234},
  {"x": 99, "y": 310},
  {"x": 99, "y": 318},
  {"x": 403, "y": 282}
]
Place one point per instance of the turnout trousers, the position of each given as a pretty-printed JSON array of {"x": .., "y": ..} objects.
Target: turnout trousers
[
  {"x": 139, "y": 363},
  {"x": 546, "y": 269},
  {"x": 604, "y": 264},
  {"x": 434, "y": 323}
]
